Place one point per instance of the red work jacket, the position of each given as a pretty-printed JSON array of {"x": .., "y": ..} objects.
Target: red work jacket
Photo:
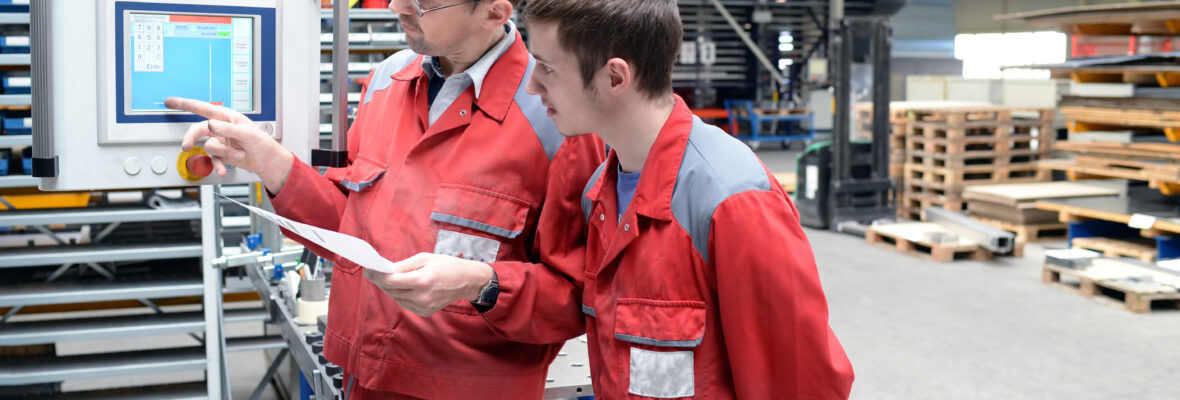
[
  {"x": 706, "y": 287},
  {"x": 474, "y": 185}
]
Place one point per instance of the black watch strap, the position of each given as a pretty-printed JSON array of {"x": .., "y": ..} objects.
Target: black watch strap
[{"x": 488, "y": 295}]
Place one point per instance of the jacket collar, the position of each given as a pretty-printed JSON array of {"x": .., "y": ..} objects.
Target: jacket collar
[
  {"x": 653, "y": 196},
  {"x": 503, "y": 79},
  {"x": 477, "y": 72}
]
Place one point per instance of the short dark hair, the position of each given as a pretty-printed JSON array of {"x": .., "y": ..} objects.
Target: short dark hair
[{"x": 645, "y": 33}]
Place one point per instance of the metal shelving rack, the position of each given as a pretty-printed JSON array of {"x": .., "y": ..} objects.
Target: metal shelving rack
[
  {"x": 206, "y": 326},
  {"x": 364, "y": 55},
  {"x": 15, "y": 62},
  {"x": 43, "y": 272}
]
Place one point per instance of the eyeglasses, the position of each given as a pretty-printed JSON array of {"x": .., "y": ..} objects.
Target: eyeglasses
[{"x": 422, "y": 11}]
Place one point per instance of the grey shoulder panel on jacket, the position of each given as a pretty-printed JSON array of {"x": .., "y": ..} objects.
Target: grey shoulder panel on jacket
[
  {"x": 534, "y": 111},
  {"x": 715, "y": 167},
  {"x": 383, "y": 74},
  {"x": 586, "y": 202}
]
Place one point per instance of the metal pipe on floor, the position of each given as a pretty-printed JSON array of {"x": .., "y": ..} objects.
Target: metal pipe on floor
[{"x": 992, "y": 239}]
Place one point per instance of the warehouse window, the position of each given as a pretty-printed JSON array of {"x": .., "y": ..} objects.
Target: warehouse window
[{"x": 984, "y": 55}]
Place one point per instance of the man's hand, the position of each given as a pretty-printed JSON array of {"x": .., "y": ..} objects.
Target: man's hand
[
  {"x": 425, "y": 283},
  {"x": 236, "y": 140}
]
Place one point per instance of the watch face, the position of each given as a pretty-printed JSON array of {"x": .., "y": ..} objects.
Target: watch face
[{"x": 489, "y": 294}]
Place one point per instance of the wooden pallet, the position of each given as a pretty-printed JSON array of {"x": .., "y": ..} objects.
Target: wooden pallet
[
  {"x": 1155, "y": 152},
  {"x": 1067, "y": 213},
  {"x": 975, "y": 158},
  {"x": 1108, "y": 291},
  {"x": 943, "y": 130},
  {"x": 1138, "y": 248},
  {"x": 977, "y": 175},
  {"x": 919, "y": 200},
  {"x": 1077, "y": 170},
  {"x": 1120, "y": 117},
  {"x": 1154, "y": 169},
  {"x": 908, "y": 238},
  {"x": 916, "y": 187},
  {"x": 978, "y": 144},
  {"x": 896, "y": 170},
  {"x": 1029, "y": 233},
  {"x": 987, "y": 114}
]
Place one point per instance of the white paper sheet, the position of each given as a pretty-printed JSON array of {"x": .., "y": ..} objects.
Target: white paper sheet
[{"x": 352, "y": 248}]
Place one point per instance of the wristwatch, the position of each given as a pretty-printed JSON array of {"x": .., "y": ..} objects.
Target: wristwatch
[{"x": 488, "y": 295}]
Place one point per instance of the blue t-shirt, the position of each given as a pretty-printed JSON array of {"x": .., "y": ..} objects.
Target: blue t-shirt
[{"x": 626, "y": 189}]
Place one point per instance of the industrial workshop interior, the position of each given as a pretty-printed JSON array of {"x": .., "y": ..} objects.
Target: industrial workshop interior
[{"x": 571, "y": 199}]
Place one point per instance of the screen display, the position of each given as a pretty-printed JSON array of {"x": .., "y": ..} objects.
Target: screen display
[{"x": 203, "y": 57}]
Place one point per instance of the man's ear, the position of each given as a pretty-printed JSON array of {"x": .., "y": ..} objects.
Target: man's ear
[
  {"x": 618, "y": 74},
  {"x": 498, "y": 13}
]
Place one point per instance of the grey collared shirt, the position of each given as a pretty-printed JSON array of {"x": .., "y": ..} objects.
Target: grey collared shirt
[{"x": 456, "y": 84}]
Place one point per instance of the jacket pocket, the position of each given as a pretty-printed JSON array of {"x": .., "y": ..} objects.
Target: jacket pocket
[
  {"x": 663, "y": 334},
  {"x": 467, "y": 215},
  {"x": 359, "y": 178},
  {"x": 362, "y": 174}
]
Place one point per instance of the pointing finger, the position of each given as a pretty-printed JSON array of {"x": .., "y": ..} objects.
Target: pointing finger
[{"x": 201, "y": 108}]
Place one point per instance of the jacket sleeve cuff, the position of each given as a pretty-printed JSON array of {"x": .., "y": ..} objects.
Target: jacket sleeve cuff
[{"x": 299, "y": 180}]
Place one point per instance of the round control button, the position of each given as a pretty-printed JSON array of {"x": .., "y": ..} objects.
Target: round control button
[
  {"x": 194, "y": 165},
  {"x": 132, "y": 165},
  {"x": 159, "y": 165},
  {"x": 200, "y": 165},
  {"x": 268, "y": 128}
]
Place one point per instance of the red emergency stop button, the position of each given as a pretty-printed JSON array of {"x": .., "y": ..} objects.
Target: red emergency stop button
[
  {"x": 194, "y": 165},
  {"x": 200, "y": 165}
]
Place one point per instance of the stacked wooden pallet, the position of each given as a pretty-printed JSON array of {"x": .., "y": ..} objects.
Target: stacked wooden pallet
[
  {"x": 1156, "y": 163},
  {"x": 1012, "y": 207},
  {"x": 899, "y": 120},
  {"x": 1085, "y": 114},
  {"x": 948, "y": 150}
]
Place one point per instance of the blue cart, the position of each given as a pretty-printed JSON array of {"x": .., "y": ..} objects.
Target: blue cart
[{"x": 743, "y": 110}]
